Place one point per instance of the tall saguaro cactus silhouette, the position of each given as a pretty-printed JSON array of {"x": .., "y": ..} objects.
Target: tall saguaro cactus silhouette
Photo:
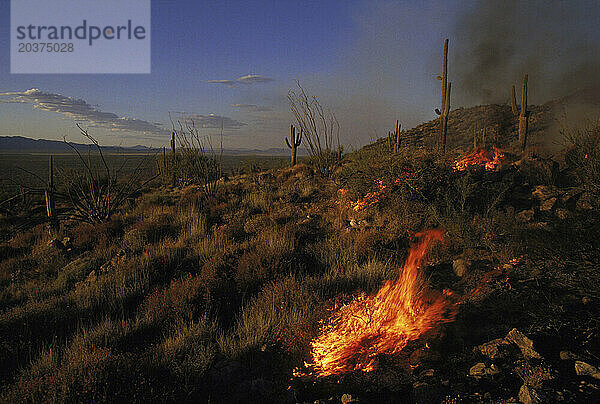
[
  {"x": 397, "y": 143},
  {"x": 173, "y": 156},
  {"x": 445, "y": 96},
  {"x": 524, "y": 116},
  {"x": 294, "y": 142},
  {"x": 513, "y": 100}
]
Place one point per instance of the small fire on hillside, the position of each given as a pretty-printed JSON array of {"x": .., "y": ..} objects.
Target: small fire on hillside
[
  {"x": 402, "y": 311},
  {"x": 370, "y": 199},
  {"x": 481, "y": 157},
  {"x": 373, "y": 197}
]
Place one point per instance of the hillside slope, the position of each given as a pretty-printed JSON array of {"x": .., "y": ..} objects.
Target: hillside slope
[
  {"x": 501, "y": 126},
  {"x": 397, "y": 280}
]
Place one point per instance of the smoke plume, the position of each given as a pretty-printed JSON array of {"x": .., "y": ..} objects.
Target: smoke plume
[{"x": 555, "y": 42}]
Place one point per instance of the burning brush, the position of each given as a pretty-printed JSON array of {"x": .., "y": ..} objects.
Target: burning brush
[
  {"x": 402, "y": 311},
  {"x": 374, "y": 197},
  {"x": 490, "y": 160},
  {"x": 383, "y": 324}
]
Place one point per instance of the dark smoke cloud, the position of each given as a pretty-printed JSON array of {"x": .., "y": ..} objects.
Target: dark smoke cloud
[{"x": 555, "y": 42}]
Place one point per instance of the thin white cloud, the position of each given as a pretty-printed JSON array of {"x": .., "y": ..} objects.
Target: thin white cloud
[
  {"x": 211, "y": 121},
  {"x": 80, "y": 111},
  {"x": 251, "y": 107},
  {"x": 247, "y": 79},
  {"x": 228, "y": 83},
  {"x": 253, "y": 78}
]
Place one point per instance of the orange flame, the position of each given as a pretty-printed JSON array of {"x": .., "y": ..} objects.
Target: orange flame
[
  {"x": 479, "y": 157},
  {"x": 373, "y": 197},
  {"x": 400, "y": 312}
]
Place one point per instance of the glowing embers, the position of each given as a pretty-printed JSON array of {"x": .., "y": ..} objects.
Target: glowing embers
[
  {"x": 401, "y": 311},
  {"x": 490, "y": 160},
  {"x": 373, "y": 197}
]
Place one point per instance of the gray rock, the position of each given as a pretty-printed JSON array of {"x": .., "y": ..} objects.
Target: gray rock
[
  {"x": 568, "y": 356},
  {"x": 347, "y": 399},
  {"x": 525, "y": 344},
  {"x": 585, "y": 369},
  {"x": 496, "y": 348},
  {"x": 480, "y": 370}
]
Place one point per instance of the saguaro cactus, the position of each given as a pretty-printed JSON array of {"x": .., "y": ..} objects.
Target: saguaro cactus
[
  {"x": 445, "y": 97},
  {"x": 173, "y": 156},
  {"x": 524, "y": 116},
  {"x": 294, "y": 142},
  {"x": 446, "y": 114},
  {"x": 397, "y": 133},
  {"x": 513, "y": 100}
]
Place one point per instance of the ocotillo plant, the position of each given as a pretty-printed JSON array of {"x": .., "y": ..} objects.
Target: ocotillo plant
[
  {"x": 513, "y": 100},
  {"x": 524, "y": 117},
  {"x": 49, "y": 194},
  {"x": 294, "y": 142}
]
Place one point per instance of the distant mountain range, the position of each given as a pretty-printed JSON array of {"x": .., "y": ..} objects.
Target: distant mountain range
[{"x": 20, "y": 144}]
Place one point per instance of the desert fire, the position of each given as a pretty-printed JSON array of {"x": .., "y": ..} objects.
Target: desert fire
[
  {"x": 490, "y": 160},
  {"x": 401, "y": 311},
  {"x": 373, "y": 197},
  {"x": 369, "y": 201}
]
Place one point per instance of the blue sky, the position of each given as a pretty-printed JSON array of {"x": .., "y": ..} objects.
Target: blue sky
[{"x": 372, "y": 62}]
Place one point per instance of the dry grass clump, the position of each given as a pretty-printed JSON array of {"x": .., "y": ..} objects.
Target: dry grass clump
[
  {"x": 583, "y": 155},
  {"x": 257, "y": 223},
  {"x": 188, "y": 353},
  {"x": 181, "y": 301},
  {"x": 282, "y": 316},
  {"x": 258, "y": 202}
]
